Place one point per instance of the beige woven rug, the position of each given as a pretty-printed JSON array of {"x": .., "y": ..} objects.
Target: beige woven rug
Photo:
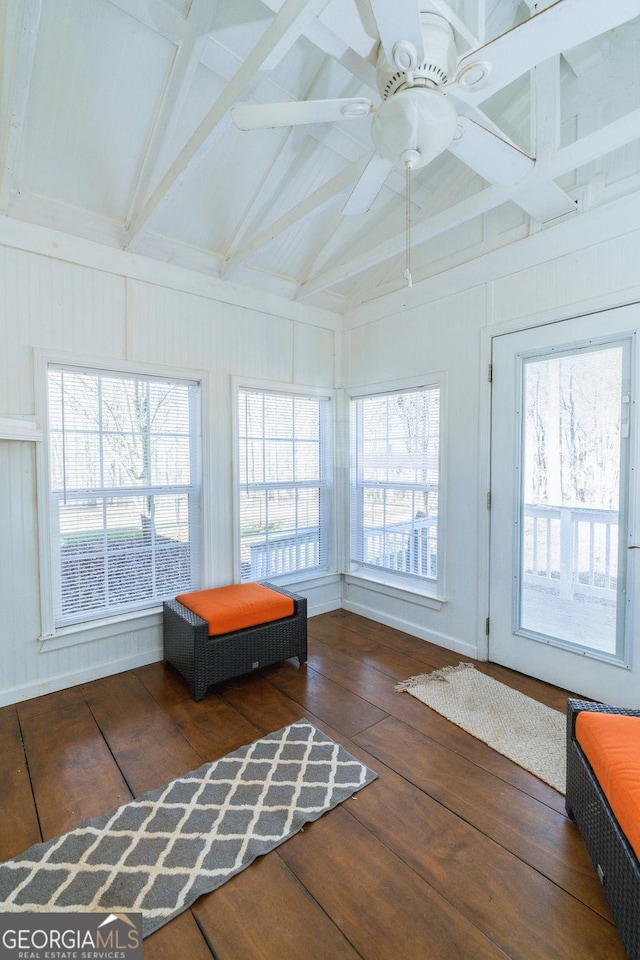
[{"x": 525, "y": 731}]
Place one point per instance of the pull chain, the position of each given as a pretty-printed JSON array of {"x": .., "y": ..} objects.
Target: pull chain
[
  {"x": 409, "y": 158},
  {"x": 407, "y": 272}
]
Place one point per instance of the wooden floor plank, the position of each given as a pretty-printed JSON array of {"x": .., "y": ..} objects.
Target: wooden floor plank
[
  {"x": 541, "y": 837},
  {"x": 359, "y": 635},
  {"x": 324, "y": 698},
  {"x": 181, "y": 939},
  {"x": 454, "y": 852},
  {"x": 379, "y": 689},
  {"x": 501, "y": 894},
  {"x": 19, "y": 827},
  {"x": 51, "y": 702},
  {"x": 147, "y": 745},
  {"x": 260, "y": 703},
  {"x": 381, "y": 905},
  {"x": 165, "y": 684},
  {"x": 212, "y": 726},
  {"x": 265, "y": 913},
  {"x": 73, "y": 774}
]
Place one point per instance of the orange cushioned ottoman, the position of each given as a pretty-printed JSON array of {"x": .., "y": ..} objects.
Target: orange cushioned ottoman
[
  {"x": 603, "y": 796},
  {"x": 214, "y": 635},
  {"x": 611, "y": 744}
]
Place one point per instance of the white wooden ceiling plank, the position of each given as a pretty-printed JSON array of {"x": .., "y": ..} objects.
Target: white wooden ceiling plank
[
  {"x": 461, "y": 212},
  {"x": 185, "y": 64},
  {"x": 310, "y": 206},
  {"x": 158, "y": 16},
  {"x": 583, "y": 151},
  {"x": 19, "y": 86},
  {"x": 289, "y": 153},
  {"x": 201, "y": 141},
  {"x": 289, "y": 37}
]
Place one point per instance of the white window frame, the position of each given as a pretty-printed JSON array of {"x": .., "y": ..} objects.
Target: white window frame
[
  {"x": 395, "y": 582},
  {"x": 327, "y": 497},
  {"x": 98, "y": 627}
]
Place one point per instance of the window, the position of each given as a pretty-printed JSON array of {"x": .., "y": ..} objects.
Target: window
[
  {"x": 283, "y": 483},
  {"x": 394, "y": 482},
  {"x": 124, "y": 490}
]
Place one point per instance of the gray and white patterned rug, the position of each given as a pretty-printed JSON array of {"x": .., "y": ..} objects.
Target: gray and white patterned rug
[{"x": 157, "y": 854}]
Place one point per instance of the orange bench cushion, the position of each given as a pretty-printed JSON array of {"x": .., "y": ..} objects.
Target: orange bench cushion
[
  {"x": 238, "y": 606},
  {"x": 611, "y": 744}
]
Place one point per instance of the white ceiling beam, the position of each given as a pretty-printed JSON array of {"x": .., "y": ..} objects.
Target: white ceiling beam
[
  {"x": 206, "y": 134},
  {"x": 545, "y": 108},
  {"x": 185, "y": 64},
  {"x": 18, "y": 86},
  {"x": 295, "y": 144},
  {"x": 336, "y": 46},
  {"x": 445, "y": 10},
  {"x": 589, "y": 148},
  {"x": 311, "y": 206}
]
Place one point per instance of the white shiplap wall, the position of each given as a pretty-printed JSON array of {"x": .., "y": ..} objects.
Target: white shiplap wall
[
  {"x": 50, "y": 304},
  {"x": 446, "y": 324},
  {"x": 61, "y": 294}
]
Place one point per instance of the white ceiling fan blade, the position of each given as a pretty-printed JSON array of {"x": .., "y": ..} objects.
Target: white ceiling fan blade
[
  {"x": 561, "y": 26},
  {"x": 544, "y": 200},
  {"x": 499, "y": 161},
  {"x": 398, "y": 22},
  {"x": 260, "y": 116},
  {"x": 495, "y": 159},
  {"x": 368, "y": 186}
]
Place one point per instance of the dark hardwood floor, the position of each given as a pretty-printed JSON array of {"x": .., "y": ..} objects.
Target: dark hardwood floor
[{"x": 454, "y": 853}]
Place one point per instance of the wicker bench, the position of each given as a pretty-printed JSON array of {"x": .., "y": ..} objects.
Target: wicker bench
[
  {"x": 613, "y": 856},
  {"x": 203, "y": 660}
]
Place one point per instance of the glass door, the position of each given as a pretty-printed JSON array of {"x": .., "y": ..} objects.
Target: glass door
[{"x": 560, "y": 532}]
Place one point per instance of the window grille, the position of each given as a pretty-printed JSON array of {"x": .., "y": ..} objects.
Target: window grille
[
  {"x": 283, "y": 483},
  {"x": 125, "y": 490},
  {"x": 395, "y": 481}
]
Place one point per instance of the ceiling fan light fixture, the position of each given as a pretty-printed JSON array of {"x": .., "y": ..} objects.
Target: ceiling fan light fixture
[
  {"x": 404, "y": 55},
  {"x": 473, "y": 74},
  {"x": 419, "y": 119},
  {"x": 356, "y": 108}
]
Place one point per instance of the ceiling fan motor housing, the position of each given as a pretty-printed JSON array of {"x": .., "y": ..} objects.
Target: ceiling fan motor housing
[
  {"x": 436, "y": 68},
  {"x": 416, "y": 118}
]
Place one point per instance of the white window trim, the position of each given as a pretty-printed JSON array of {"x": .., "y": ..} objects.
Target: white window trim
[
  {"x": 287, "y": 389},
  {"x": 397, "y": 583},
  {"x": 52, "y": 637}
]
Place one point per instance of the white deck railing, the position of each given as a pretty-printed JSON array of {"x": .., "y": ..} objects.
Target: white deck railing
[
  {"x": 296, "y": 551},
  {"x": 573, "y": 549},
  {"x": 410, "y": 547}
]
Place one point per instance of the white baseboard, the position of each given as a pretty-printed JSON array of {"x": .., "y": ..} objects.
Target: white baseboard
[
  {"x": 61, "y": 682},
  {"x": 441, "y": 639}
]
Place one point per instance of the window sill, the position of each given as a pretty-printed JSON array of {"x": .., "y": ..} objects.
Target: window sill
[
  {"x": 100, "y": 629},
  {"x": 315, "y": 577},
  {"x": 405, "y": 591}
]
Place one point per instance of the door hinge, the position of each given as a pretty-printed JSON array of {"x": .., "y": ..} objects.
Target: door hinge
[
  {"x": 486, "y": 626},
  {"x": 489, "y": 500},
  {"x": 490, "y": 377}
]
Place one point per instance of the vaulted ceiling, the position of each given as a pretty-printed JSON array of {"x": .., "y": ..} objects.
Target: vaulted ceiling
[{"x": 116, "y": 126}]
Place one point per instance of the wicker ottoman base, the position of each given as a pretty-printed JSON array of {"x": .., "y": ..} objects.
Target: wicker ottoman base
[
  {"x": 613, "y": 857},
  {"x": 203, "y": 660}
]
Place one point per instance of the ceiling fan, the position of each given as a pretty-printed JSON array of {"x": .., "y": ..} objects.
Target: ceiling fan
[{"x": 429, "y": 92}]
